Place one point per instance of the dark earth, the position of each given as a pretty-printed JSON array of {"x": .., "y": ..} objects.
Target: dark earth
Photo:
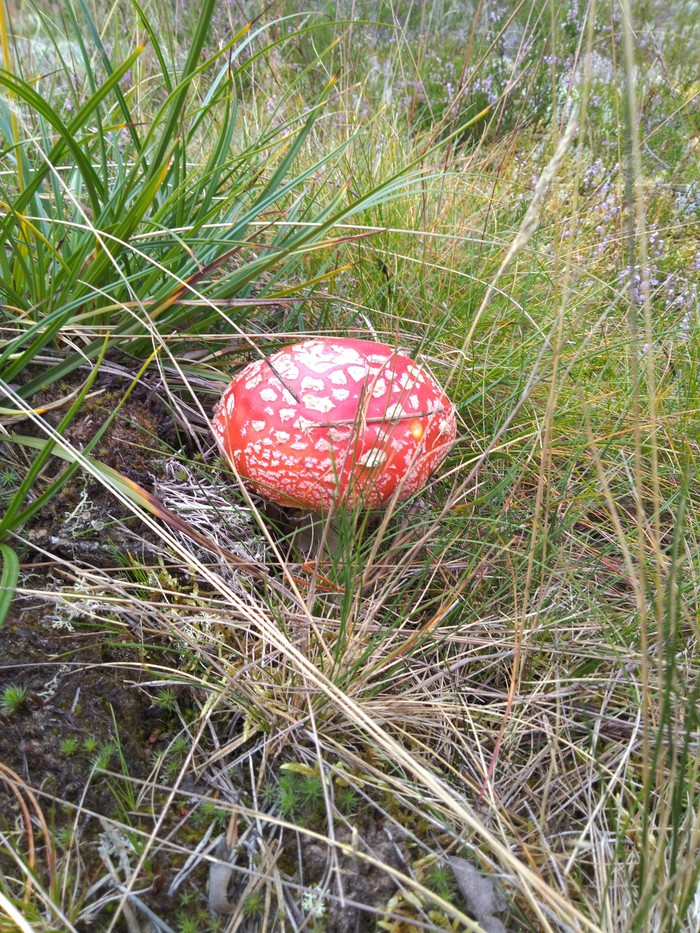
[{"x": 83, "y": 706}]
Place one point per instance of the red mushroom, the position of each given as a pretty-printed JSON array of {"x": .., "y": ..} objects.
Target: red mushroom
[{"x": 334, "y": 421}]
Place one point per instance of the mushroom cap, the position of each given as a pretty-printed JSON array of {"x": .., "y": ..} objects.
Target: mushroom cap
[{"x": 334, "y": 422}]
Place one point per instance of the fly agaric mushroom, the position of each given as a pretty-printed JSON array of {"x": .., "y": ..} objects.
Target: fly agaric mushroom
[{"x": 334, "y": 422}]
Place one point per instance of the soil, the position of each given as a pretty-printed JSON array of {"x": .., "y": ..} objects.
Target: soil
[
  {"x": 361, "y": 882},
  {"x": 74, "y": 693},
  {"x": 82, "y": 700}
]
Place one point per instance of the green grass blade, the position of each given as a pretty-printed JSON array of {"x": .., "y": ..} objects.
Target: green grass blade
[
  {"x": 8, "y": 579},
  {"x": 178, "y": 97},
  {"x": 106, "y": 61},
  {"x": 155, "y": 44}
]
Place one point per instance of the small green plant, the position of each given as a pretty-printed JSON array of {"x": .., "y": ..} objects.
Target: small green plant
[
  {"x": 104, "y": 755},
  {"x": 171, "y": 768},
  {"x": 441, "y": 881},
  {"x": 198, "y": 921},
  {"x": 311, "y": 791},
  {"x": 268, "y": 795},
  {"x": 179, "y": 748},
  {"x": 190, "y": 925},
  {"x": 189, "y": 899},
  {"x": 288, "y": 800},
  {"x": 90, "y": 745},
  {"x": 254, "y": 905},
  {"x": 166, "y": 700},
  {"x": 13, "y": 699},
  {"x": 176, "y": 754},
  {"x": 69, "y": 746},
  {"x": 299, "y": 794},
  {"x": 208, "y": 812},
  {"x": 9, "y": 480},
  {"x": 347, "y": 800}
]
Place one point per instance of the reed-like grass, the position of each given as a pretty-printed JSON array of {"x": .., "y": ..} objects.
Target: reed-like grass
[{"x": 503, "y": 669}]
